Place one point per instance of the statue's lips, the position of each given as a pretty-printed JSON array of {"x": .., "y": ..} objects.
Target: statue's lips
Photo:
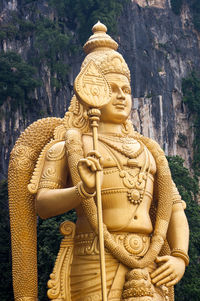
[{"x": 120, "y": 106}]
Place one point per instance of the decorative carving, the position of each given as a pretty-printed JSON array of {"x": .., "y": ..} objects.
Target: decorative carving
[
  {"x": 97, "y": 49},
  {"x": 76, "y": 117},
  {"x": 135, "y": 244},
  {"x": 59, "y": 286},
  {"x": 91, "y": 86},
  {"x": 27, "y": 299},
  {"x": 35, "y": 179},
  {"x": 55, "y": 153},
  {"x": 138, "y": 284},
  {"x": 99, "y": 39}
]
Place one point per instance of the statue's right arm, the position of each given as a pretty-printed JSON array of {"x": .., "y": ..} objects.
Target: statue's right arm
[{"x": 55, "y": 196}]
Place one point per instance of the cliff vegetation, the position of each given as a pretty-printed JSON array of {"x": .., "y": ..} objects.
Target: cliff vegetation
[
  {"x": 194, "y": 6},
  {"x": 191, "y": 97}
]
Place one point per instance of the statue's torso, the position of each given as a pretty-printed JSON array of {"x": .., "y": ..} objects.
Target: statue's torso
[{"x": 127, "y": 187}]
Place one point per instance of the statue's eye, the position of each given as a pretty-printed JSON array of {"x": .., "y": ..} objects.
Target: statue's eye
[{"x": 126, "y": 90}]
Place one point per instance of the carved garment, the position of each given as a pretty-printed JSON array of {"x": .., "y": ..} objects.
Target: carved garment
[{"x": 85, "y": 278}]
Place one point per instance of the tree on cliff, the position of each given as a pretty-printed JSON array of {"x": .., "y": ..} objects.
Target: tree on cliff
[{"x": 189, "y": 287}]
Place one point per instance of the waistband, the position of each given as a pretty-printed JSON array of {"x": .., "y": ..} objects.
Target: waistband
[{"x": 135, "y": 243}]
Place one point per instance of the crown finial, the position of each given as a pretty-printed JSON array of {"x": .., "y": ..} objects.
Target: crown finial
[
  {"x": 99, "y": 27},
  {"x": 99, "y": 40}
]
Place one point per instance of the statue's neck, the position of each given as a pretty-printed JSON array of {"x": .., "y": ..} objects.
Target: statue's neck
[{"x": 109, "y": 128}]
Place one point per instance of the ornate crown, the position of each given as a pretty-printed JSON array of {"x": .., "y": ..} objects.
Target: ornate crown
[{"x": 101, "y": 48}]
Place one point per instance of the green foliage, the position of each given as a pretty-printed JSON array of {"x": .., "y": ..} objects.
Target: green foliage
[
  {"x": 186, "y": 184},
  {"x": 52, "y": 45},
  {"x": 8, "y": 31},
  {"x": 191, "y": 92},
  {"x": 189, "y": 287},
  {"x": 191, "y": 96},
  {"x": 176, "y": 6},
  {"x": 17, "y": 28},
  {"x": 83, "y": 14},
  {"x": 194, "y": 6},
  {"x": 16, "y": 80},
  {"x": 5, "y": 250},
  {"x": 182, "y": 140},
  {"x": 26, "y": 29},
  {"x": 89, "y": 12}
]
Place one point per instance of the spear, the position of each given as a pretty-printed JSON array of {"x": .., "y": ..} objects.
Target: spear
[{"x": 93, "y": 90}]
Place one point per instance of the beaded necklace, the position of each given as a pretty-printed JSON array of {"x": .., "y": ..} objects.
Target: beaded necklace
[{"x": 122, "y": 144}]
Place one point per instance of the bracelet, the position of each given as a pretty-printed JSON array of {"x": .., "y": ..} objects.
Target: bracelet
[
  {"x": 176, "y": 252},
  {"x": 177, "y": 202},
  {"x": 82, "y": 192}
]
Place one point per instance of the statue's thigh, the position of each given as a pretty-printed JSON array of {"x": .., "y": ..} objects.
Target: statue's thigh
[{"x": 85, "y": 278}]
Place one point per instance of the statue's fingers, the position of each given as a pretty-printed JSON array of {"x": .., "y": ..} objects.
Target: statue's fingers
[
  {"x": 95, "y": 162},
  {"x": 168, "y": 279},
  {"x": 82, "y": 165},
  {"x": 81, "y": 161},
  {"x": 85, "y": 163},
  {"x": 91, "y": 165},
  {"x": 161, "y": 275},
  {"x": 173, "y": 282},
  {"x": 162, "y": 258},
  {"x": 94, "y": 153},
  {"x": 159, "y": 270}
]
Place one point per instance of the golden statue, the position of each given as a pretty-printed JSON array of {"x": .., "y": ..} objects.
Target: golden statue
[{"x": 60, "y": 164}]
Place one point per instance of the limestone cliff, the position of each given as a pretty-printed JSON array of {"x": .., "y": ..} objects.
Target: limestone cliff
[{"x": 160, "y": 49}]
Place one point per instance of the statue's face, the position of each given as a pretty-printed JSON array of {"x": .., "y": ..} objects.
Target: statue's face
[{"x": 119, "y": 107}]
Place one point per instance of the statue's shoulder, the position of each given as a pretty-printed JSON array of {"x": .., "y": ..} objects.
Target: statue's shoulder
[
  {"x": 50, "y": 133},
  {"x": 56, "y": 151},
  {"x": 150, "y": 143}
]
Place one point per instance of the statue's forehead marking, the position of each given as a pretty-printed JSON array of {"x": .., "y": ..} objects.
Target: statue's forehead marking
[{"x": 117, "y": 78}]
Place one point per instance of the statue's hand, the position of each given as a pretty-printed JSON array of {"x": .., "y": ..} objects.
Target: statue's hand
[
  {"x": 87, "y": 168},
  {"x": 170, "y": 272}
]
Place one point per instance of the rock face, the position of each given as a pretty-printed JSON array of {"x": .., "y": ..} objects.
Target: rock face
[{"x": 160, "y": 49}]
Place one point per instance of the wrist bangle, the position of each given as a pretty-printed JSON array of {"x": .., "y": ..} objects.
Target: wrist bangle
[
  {"x": 176, "y": 252},
  {"x": 85, "y": 193},
  {"x": 82, "y": 192}
]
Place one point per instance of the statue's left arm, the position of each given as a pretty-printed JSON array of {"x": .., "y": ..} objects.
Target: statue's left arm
[{"x": 171, "y": 268}]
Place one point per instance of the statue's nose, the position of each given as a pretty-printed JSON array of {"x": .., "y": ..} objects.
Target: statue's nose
[{"x": 121, "y": 94}]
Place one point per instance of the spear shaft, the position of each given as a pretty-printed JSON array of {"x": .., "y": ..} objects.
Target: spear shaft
[
  {"x": 94, "y": 117},
  {"x": 94, "y": 91}
]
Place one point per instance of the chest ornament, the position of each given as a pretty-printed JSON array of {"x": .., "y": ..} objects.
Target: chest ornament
[
  {"x": 134, "y": 182},
  {"x": 124, "y": 145}
]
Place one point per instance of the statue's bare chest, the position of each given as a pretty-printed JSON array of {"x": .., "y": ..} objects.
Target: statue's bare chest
[{"x": 128, "y": 167}]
